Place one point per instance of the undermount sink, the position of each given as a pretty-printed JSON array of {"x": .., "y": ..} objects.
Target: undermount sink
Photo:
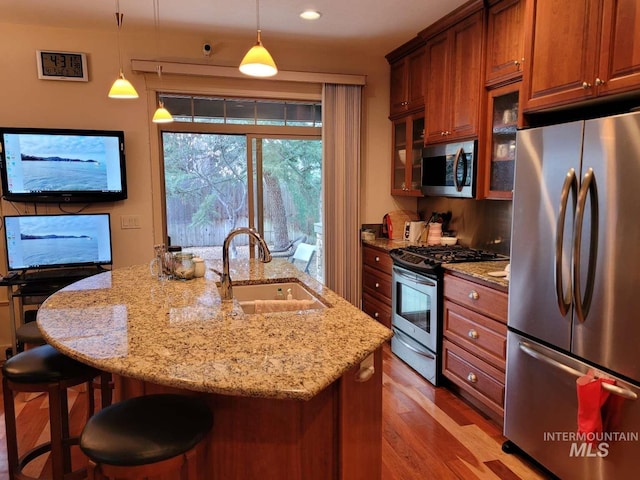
[{"x": 261, "y": 297}]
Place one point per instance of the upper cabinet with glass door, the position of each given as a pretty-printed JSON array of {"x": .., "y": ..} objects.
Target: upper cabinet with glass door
[
  {"x": 406, "y": 164},
  {"x": 501, "y": 141}
]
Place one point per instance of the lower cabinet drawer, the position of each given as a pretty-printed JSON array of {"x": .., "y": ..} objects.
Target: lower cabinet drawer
[
  {"x": 477, "y": 378},
  {"x": 377, "y": 283},
  {"x": 480, "y": 335},
  {"x": 377, "y": 309}
]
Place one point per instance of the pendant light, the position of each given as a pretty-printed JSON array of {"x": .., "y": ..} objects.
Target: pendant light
[
  {"x": 161, "y": 114},
  {"x": 258, "y": 61},
  {"x": 121, "y": 88}
]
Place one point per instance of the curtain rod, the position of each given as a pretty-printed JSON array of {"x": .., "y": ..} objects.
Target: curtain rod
[{"x": 151, "y": 66}]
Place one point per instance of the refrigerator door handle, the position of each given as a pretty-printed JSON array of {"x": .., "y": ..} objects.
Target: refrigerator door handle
[
  {"x": 538, "y": 355},
  {"x": 570, "y": 186},
  {"x": 589, "y": 189}
]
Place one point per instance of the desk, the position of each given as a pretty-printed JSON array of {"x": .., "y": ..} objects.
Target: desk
[
  {"x": 296, "y": 394},
  {"x": 33, "y": 288}
]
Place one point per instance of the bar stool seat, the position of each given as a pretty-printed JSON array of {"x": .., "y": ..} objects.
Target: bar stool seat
[
  {"x": 29, "y": 334},
  {"x": 45, "y": 369},
  {"x": 145, "y": 436}
]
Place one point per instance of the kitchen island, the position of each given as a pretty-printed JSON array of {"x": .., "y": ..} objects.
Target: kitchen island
[{"x": 294, "y": 394}]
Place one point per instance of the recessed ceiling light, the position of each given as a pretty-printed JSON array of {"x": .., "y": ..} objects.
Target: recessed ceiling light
[{"x": 310, "y": 15}]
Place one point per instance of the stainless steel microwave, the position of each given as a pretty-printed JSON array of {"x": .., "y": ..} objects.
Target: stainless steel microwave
[{"x": 449, "y": 169}]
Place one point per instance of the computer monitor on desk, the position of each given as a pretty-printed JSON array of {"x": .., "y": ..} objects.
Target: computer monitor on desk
[{"x": 46, "y": 243}]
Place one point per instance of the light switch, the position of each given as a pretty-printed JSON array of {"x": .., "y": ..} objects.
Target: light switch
[{"x": 129, "y": 221}]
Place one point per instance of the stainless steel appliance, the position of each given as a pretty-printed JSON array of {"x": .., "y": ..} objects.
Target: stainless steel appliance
[
  {"x": 449, "y": 169},
  {"x": 416, "y": 300},
  {"x": 573, "y": 295}
]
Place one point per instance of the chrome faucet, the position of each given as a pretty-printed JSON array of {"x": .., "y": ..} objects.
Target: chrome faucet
[{"x": 226, "y": 288}]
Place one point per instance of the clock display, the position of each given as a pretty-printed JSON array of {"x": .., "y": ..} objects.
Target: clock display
[{"x": 62, "y": 66}]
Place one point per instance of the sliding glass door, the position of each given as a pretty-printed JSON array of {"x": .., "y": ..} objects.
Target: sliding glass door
[{"x": 217, "y": 182}]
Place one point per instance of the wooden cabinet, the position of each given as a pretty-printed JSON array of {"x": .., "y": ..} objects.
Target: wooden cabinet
[
  {"x": 505, "y": 41},
  {"x": 453, "y": 79},
  {"x": 376, "y": 284},
  {"x": 406, "y": 163},
  {"x": 474, "y": 345},
  {"x": 579, "y": 50},
  {"x": 500, "y": 141},
  {"x": 407, "y": 91}
]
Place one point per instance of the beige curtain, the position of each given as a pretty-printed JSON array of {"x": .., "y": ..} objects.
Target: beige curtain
[{"x": 341, "y": 123}]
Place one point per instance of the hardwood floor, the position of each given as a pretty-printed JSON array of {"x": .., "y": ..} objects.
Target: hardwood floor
[{"x": 428, "y": 433}]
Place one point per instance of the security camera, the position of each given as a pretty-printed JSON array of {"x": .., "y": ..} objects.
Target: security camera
[{"x": 206, "y": 49}]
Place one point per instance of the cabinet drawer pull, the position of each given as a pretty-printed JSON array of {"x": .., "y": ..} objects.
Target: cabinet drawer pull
[
  {"x": 473, "y": 295},
  {"x": 599, "y": 82},
  {"x": 377, "y": 259},
  {"x": 473, "y": 334},
  {"x": 472, "y": 378},
  {"x": 376, "y": 315},
  {"x": 586, "y": 85},
  {"x": 377, "y": 285}
]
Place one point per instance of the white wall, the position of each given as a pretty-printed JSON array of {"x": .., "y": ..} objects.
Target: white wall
[{"x": 27, "y": 101}]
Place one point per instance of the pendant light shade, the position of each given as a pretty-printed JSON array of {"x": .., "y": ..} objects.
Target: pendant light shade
[
  {"x": 122, "y": 88},
  {"x": 258, "y": 62},
  {"x": 162, "y": 115}
]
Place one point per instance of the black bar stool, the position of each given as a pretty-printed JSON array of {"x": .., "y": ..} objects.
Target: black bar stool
[
  {"x": 45, "y": 369},
  {"x": 146, "y": 436}
]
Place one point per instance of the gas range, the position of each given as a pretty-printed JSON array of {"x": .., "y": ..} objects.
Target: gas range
[{"x": 429, "y": 259}]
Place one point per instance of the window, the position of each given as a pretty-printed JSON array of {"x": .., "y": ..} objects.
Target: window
[{"x": 239, "y": 162}]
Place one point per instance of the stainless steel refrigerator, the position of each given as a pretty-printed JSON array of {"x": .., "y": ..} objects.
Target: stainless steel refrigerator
[{"x": 574, "y": 296}]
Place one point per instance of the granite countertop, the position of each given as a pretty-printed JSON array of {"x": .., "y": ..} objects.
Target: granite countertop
[
  {"x": 480, "y": 270},
  {"x": 180, "y": 333}
]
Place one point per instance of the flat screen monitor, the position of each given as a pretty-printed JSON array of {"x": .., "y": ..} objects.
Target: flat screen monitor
[
  {"x": 62, "y": 166},
  {"x": 57, "y": 241}
]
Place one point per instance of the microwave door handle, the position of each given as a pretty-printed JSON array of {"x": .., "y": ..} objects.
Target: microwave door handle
[
  {"x": 530, "y": 350},
  {"x": 570, "y": 186},
  {"x": 399, "y": 334},
  {"x": 420, "y": 281},
  {"x": 456, "y": 161},
  {"x": 589, "y": 189}
]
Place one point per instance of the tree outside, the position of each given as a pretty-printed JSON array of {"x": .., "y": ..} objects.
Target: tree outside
[{"x": 207, "y": 188}]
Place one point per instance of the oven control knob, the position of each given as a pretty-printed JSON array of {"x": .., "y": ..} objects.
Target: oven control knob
[
  {"x": 473, "y": 334},
  {"x": 473, "y": 295},
  {"x": 472, "y": 378}
]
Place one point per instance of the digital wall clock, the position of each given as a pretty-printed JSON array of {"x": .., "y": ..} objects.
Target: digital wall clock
[{"x": 53, "y": 65}]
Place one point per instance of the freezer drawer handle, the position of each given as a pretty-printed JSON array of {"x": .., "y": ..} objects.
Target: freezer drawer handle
[
  {"x": 398, "y": 334},
  {"x": 532, "y": 352}
]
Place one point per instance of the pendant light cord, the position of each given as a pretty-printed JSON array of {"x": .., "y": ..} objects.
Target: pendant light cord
[
  {"x": 119, "y": 18},
  {"x": 258, "y": 14}
]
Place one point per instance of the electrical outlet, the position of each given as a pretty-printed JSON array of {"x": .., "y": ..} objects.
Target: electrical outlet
[{"x": 129, "y": 221}]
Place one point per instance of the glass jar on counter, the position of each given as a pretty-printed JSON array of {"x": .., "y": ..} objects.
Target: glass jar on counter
[{"x": 183, "y": 266}]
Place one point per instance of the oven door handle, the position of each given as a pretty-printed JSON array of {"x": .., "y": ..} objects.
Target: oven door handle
[
  {"x": 414, "y": 279},
  {"x": 398, "y": 334}
]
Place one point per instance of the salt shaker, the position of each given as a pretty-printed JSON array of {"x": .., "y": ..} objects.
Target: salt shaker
[{"x": 198, "y": 267}]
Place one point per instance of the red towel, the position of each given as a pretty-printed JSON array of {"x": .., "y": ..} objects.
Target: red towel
[{"x": 591, "y": 398}]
